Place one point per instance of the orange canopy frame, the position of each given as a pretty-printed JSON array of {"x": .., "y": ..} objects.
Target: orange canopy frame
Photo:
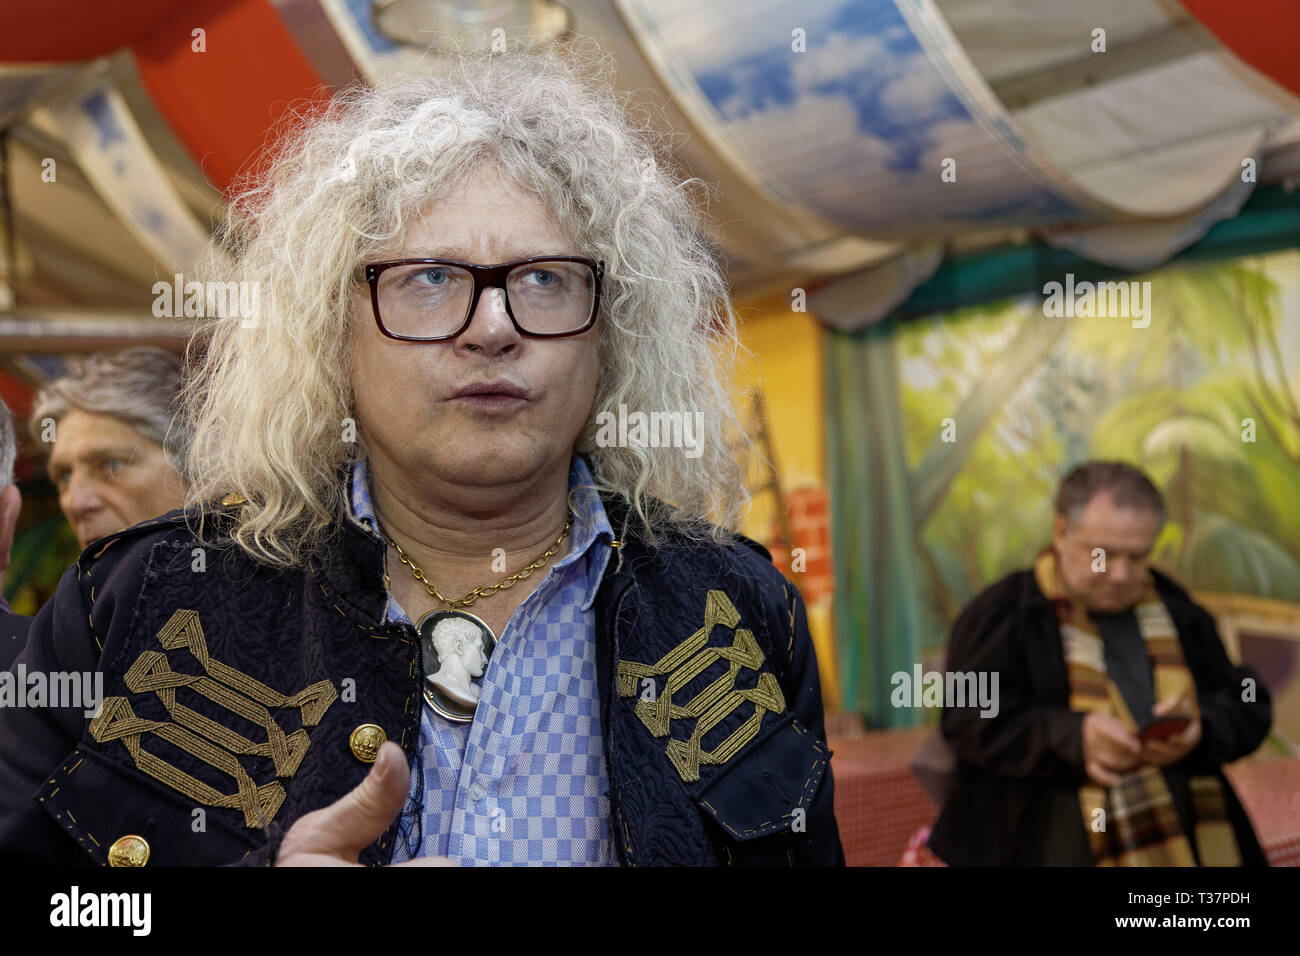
[{"x": 219, "y": 102}]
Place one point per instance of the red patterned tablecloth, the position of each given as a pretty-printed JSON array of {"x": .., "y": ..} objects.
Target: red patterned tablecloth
[
  {"x": 878, "y": 803},
  {"x": 1270, "y": 791}
]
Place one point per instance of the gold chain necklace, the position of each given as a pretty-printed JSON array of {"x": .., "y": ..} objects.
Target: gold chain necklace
[{"x": 485, "y": 590}]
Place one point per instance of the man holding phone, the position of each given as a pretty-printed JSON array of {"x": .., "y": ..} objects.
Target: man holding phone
[{"x": 1119, "y": 704}]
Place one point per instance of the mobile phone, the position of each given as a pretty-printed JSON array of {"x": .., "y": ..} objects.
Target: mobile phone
[{"x": 1162, "y": 728}]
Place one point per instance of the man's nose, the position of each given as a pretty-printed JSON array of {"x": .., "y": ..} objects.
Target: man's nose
[
  {"x": 1123, "y": 571},
  {"x": 79, "y": 498},
  {"x": 490, "y": 329}
]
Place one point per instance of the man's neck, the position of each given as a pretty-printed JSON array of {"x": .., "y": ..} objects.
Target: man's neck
[{"x": 463, "y": 537}]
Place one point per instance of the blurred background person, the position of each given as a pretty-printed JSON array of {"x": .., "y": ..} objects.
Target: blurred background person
[
  {"x": 114, "y": 440},
  {"x": 1118, "y": 704},
  {"x": 13, "y": 627}
]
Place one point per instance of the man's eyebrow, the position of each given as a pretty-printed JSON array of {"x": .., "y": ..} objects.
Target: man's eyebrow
[
  {"x": 1132, "y": 551},
  {"x": 453, "y": 252},
  {"x": 117, "y": 451},
  {"x": 99, "y": 454}
]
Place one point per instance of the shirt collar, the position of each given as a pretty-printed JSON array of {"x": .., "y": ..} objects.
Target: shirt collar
[{"x": 590, "y": 522}]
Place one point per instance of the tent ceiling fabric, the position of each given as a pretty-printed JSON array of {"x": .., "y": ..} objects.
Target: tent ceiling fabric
[
  {"x": 1008, "y": 39},
  {"x": 1161, "y": 142},
  {"x": 110, "y": 149},
  {"x": 856, "y": 126},
  {"x": 85, "y": 254},
  {"x": 827, "y": 162},
  {"x": 220, "y": 92}
]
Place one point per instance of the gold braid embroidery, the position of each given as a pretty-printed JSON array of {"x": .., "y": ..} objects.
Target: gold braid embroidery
[
  {"x": 232, "y": 689},
  {"x": 716, "y": 702},
  {"x": 118, "y": 721}
]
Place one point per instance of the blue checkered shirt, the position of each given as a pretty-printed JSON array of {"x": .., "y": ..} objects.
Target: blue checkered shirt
[{"x": 524, "y": 783}]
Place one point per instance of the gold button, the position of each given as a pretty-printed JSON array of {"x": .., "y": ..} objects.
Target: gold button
[
  {"x": 234, "y": 498},
  {"x": 365, "y": 742},
  {"x": 130, "y": 850}
]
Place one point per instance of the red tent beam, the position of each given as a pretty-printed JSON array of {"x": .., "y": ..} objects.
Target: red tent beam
[
  {"x": 220, "y": 102},
  {"x": 1264, "y": 33}
]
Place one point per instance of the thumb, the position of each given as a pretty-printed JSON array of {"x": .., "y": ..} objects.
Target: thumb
[
  {"x": 357, "y": 819},
  {"x": 1169, "y": 705}
]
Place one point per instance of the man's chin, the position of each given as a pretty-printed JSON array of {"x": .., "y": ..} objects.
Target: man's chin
[
  {"x": 89, "y": 534},
  {"x": 493, "y": 463},
  {"x": 1112, "y": 606}
]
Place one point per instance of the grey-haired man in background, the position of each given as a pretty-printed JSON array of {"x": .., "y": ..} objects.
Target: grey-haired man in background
[
  {"x": 1119, "y": 705},
  {"x": 13, "y": 627},
  {"x": 115, "y": 446}
]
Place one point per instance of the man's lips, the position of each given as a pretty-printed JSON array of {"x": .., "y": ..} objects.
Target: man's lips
[
  {"x": 498, "y": 389},
  {"x": 499, "y": 396}
]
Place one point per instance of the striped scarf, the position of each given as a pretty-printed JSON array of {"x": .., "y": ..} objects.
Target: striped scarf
[{"x": 1135, "y": 823}]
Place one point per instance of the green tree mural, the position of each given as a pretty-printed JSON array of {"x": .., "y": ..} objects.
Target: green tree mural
[{"x": 1204, "y": 398}]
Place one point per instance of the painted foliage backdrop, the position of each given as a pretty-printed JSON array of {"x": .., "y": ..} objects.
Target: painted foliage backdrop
[{"x": 1206, "y": 399}]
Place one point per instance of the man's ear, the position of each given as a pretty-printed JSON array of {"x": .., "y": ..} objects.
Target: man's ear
[
  {"x": 1058, "y": 530},
  {"x": 11, "y": 504}
]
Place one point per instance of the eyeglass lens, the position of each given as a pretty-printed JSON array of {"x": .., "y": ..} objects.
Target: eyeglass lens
[{"x": 425, "y": 300}]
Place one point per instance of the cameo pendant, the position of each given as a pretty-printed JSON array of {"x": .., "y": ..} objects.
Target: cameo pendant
[{"x": 456, "y": 647}]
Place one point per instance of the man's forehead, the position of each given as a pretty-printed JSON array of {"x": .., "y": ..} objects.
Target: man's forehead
[
  {"x": 1111, "y": 544},
  {"x": 91, "y": 446},
  {"x": 508, "y": 250},
  {"x": 506, "y": 240},
  {"x": 1102, "y": 507},
  {"x": 1104, "y": 523},
  {"x": 448, "y": 230}
]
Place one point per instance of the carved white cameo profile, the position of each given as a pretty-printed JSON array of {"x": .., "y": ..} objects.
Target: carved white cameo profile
[{"x": 456, "y": 650}]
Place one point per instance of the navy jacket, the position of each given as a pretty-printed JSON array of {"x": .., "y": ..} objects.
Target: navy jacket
[
  {"x": 13, "y": 635},
  {"x": 233, "y": 688},
  {"x": 1015, "y": 797}
]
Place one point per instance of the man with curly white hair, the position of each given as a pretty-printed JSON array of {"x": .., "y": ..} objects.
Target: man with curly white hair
[{"x": 459, "y": 271}]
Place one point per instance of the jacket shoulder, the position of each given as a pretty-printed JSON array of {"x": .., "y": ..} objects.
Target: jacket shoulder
[
  {"x": 753, "y": 546},
  {"x": 1193, "y": 621},
  {"x": 1010, "y": 591},
  {"x": 1170, "y": 588},
  {"x": 132, "y": 545},
  {"x": 625, "y": 522},
  {"x": 739, "y": 556}
]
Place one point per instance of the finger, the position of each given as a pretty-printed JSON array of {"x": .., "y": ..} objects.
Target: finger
[
  {"x": 1159, "y": 753},
  {"x": 428, "y": 861},
  {"x": 357, "y": 819},
  {"x": 1125, "y": 743},
  {"x": 1101, "y": 775},
  {"x": 1173, "y": 748},
  {"x": 1170, "y": 705},
  {"x": 1190, "y": 736},
  {"x": 1112, "y": 728},
  {"x": 1121, "y": 762}
]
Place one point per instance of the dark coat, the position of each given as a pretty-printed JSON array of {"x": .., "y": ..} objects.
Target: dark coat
[
  {"x": 13, "y": 635},
  {"x": 163, "y": 748},
  {"x": 1015, "y": 797}
]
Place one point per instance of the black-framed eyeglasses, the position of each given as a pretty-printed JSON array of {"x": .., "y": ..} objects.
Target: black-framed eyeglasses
[{"x": 428, "y": 300}]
